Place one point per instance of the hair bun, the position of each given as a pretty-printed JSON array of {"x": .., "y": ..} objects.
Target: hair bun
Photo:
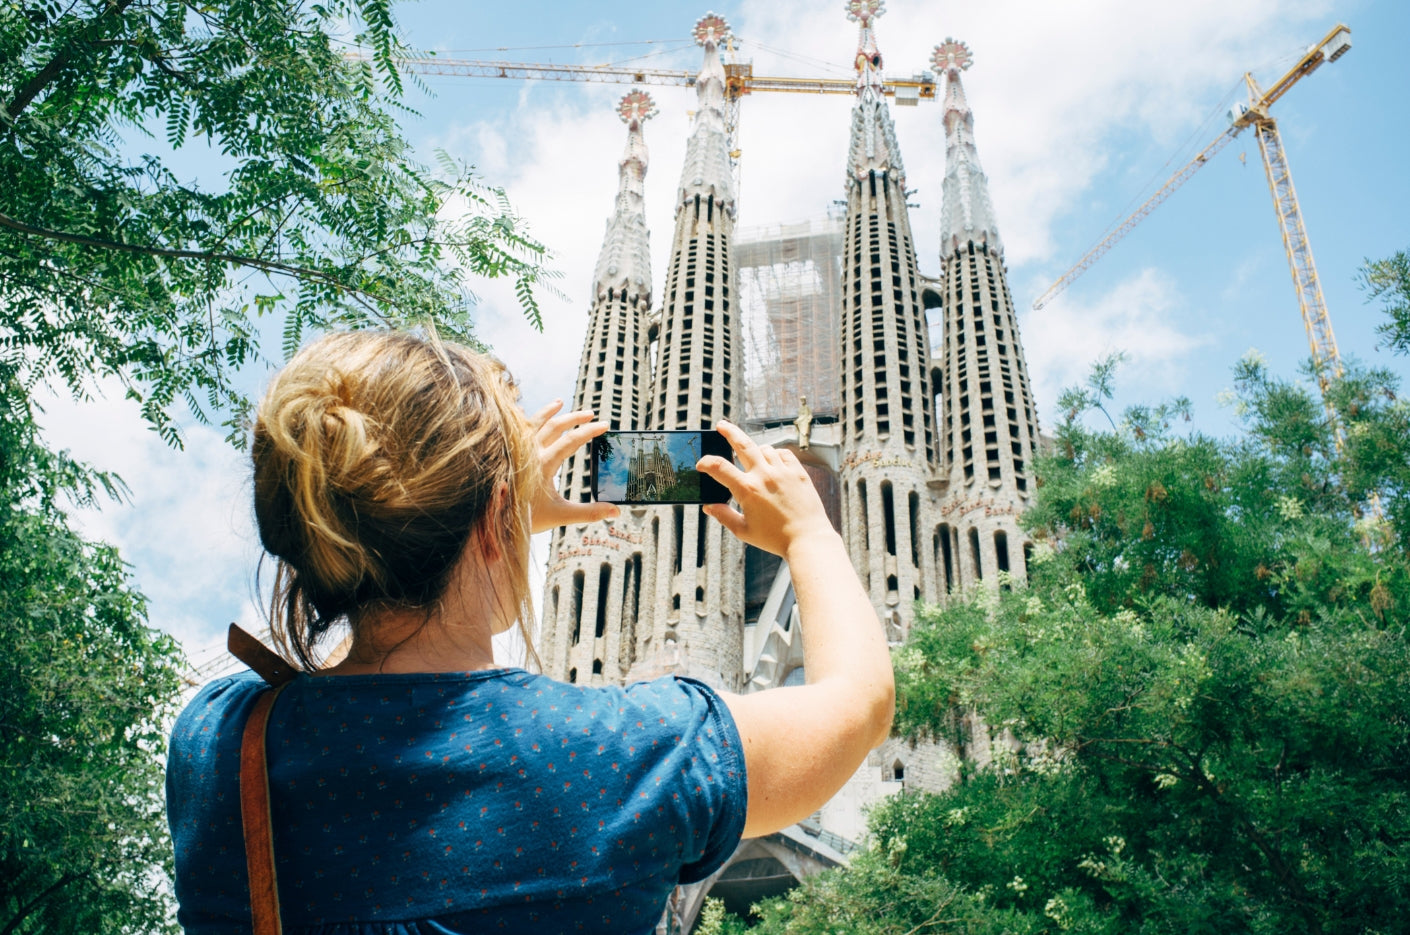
[{"x": 317, "y": 448}]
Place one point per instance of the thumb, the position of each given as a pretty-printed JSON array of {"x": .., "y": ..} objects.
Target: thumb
[{"x": 728, "y": 517}]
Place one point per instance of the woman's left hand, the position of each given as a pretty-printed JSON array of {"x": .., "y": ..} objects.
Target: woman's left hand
[{"x": 559, "y": 435}]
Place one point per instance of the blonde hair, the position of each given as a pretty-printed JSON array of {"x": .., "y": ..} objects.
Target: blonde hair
[{"x": 376, "y": 455}]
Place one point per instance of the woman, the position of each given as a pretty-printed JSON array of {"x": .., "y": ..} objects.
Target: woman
[{"x": 415, "y": 787}]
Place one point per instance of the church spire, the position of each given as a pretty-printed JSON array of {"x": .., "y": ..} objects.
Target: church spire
[
  {"x": 873, "y": 142},
  {"x": 624, "y": 264},
  {"x": 706, "y": 172},
  {"x": 967, "y": 214}
]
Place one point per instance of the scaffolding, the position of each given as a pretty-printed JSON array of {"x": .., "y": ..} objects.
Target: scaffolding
[{"x": 789, "y": 281}]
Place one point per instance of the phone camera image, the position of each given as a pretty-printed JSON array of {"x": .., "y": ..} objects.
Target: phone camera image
[{"x": 656, "y": 467}]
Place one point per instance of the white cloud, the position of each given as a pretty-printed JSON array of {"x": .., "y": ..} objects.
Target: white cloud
[
  {"x": 1062, "y": 340},
  {"x": 187, "y": 529}
]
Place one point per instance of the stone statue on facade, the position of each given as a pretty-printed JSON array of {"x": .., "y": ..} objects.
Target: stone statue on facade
[{"x": 804, "y": 423}]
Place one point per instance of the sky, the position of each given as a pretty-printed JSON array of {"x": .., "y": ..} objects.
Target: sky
[{"x": 1082, "y": 108}]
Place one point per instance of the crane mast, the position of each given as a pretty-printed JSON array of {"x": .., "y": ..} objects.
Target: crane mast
[
  {"x": 1311, "y": 303},
  {"x": 1326, "y": 360}
]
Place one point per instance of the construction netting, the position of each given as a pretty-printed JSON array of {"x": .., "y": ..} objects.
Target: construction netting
[{"x": 789, "y": 282}]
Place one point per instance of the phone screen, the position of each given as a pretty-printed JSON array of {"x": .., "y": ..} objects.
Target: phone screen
[{"x": 656, "y": 467}]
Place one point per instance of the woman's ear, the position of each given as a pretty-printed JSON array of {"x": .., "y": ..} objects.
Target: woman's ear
[{"x": 487, "y": 531}]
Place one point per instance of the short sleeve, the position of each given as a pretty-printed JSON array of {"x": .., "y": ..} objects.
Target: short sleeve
[
  {"x": 203, "y": 803},
  {"x": 708, "y": 787}
]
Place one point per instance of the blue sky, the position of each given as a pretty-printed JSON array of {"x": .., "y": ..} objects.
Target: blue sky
[{"x": 1078, "y": 105}]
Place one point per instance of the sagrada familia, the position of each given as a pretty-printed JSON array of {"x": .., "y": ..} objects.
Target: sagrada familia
[{"x": 923, "y": 455}]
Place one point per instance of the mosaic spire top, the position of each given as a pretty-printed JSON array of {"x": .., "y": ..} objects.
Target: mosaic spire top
[
  {"x": 967, "y": 213},
  {"x": 625, "y": 261},
  {"x": 868, "y": 61},
  {"x": 873, "y": 145},
  {"x": 707, "y": 170}
]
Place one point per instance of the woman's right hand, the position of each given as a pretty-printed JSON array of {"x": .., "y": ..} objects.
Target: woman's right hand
[
  {"x": 778, "y": 504},
  {"x": 802, "y": 742}
]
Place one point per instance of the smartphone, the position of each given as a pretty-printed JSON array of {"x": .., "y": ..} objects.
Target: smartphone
[{"x": 656, "y": 467}]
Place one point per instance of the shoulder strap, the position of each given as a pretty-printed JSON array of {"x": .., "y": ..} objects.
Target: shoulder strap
[
  {"x": 254, "y": 780},
  {"x": 265, "y": 662},
  {"x": 254, "y": 814}
]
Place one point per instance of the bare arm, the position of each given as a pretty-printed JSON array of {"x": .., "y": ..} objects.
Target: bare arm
[{"x": 802, "y": 743}]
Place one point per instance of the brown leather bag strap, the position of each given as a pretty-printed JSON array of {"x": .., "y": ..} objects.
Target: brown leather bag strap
[
  {"x": 266, "y": 663},
  {"x": 254, "y": 779},
  {"x": 254, "y": 813}
]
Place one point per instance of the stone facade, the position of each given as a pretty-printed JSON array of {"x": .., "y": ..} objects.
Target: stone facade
[
  {"x": 924, "y": 462},
  {"x": 660, "y": 589},
  {"x": 989, "y": 427}
]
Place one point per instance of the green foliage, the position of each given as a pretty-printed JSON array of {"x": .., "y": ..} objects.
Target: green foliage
[
  {"x": 114, "y": 262},
  {"x": 1389, "y": 281},
  {"x": 1199, "y": 707},
  {"x": 88, "y": 691},
  {"x": 882, "y": 892},
  {"x": 175, "y": 172}
]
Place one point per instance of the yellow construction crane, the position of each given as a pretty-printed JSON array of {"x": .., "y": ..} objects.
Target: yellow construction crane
[
  {"x": 1270, "y": 142},
  {"x": 740, "y": 80}
]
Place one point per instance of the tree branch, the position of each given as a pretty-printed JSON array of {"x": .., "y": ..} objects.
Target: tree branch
[
  {"x": 34, "y": 903},
  {"x": 56, "y": 64},
  {"x": 235, "y": 259}
]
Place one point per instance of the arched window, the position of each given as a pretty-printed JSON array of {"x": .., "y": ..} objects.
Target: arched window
[
  {"x": 576, "y": 609},
  {"x": 942, "y": 536},
  {"x": 604, "y": 584},
  {"x": 888, "y": 516}
]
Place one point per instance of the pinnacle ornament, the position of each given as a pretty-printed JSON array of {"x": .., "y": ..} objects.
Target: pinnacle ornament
[
  {"x": 711, "y": 28},
  {"x": 952, "y": 55},
  {"x": 636, "y": 106},
  {"x": 864, "y": 11}
]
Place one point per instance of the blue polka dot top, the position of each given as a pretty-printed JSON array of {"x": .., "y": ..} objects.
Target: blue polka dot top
[{"x": 457, "y": 803}]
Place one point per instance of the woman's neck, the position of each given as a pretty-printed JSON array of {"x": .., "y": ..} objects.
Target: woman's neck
[
  {"x": 455, "y": 634},
  {"x": 414, "y": 643}
]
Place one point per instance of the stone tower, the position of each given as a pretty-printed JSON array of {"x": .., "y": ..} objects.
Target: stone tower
[
  {"x": 887, "y": 418},
  {"x": 697, "y": 612},
  {"x": 989, "y": 426},
  {"x": 927, "y": 505},
  {"x": 588, "y": 623}
]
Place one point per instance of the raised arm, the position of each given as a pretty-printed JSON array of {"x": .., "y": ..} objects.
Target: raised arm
[{"x": 802, "y": 743}]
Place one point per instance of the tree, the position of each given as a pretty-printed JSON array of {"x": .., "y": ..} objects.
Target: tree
[
  {"x": 89, "y": 689},
  {"x": 118, "y": 259},
  {"x": 1201, "y": 702},
  {"x": 1389, "y": 280},
  {"x": 113, "y": 263}
]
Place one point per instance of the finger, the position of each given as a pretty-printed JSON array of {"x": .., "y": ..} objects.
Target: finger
[
  {"x": 555, "y": 426},
  {"x": 590, "y": 512},
  {"x": 538, "y": 419},
  {"x": 570, "y": 441},
  {"x": 727, "y": 516},
  {"x": 724, "y": 471},
  {"x": 769, "y": 454},
  {"x": 789, "y": 459},
  {"x": 742, "y": 444}
]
